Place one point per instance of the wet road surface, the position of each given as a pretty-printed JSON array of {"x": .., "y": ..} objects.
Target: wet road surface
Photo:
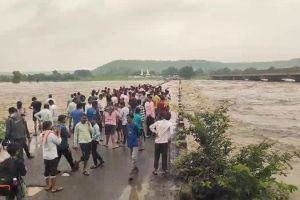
[{"x": 107, "y": 183}]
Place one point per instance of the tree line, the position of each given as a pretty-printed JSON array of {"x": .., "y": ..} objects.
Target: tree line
[
  {"x": 18, "y": 77},
  {"x": 186, "y": 72}
]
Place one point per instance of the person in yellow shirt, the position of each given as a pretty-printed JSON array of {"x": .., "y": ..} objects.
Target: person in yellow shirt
[{"x": 156, "y": 100}]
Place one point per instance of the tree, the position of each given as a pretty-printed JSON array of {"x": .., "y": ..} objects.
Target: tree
[
  {"x": 199, "y": 71},
  {"x": 186, "y": 72},
  {"x": 17, "y": 77},
  {"x": 170, "y": 71},
  {"x": 214, "y": 171},
  {"x": 251, "y": 70},
  {"x": 83, "y": 73}
]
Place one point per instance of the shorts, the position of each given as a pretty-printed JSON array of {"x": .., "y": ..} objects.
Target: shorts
[
  {"x": 50, "y": 167},
  {"x": 86, "y": 151},
  {"x": 33, "y": 117},
  {"x": 119, "y": 126},
  {"x": 110, "y": 129}
]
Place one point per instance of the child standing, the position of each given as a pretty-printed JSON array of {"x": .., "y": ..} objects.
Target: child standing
[
  {"x": 95, "y": 141},
  {"x": 137, "y": 118},
  {"x": 132, "y": 143}
]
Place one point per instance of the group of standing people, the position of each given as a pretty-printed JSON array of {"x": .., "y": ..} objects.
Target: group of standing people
[{"x": 125, "y": 116}]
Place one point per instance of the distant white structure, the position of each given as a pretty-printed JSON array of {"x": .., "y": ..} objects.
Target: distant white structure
[
  {"x": 148, "y": 74},
  {"x": 142, "y": 72}
]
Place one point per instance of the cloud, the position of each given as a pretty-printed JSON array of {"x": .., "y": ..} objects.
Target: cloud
[{"x": 43, "y": 35}]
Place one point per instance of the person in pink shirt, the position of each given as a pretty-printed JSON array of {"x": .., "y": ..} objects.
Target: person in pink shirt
[
  {"x": 110, "y": 117},
  {"x": 150, "y": 113}
]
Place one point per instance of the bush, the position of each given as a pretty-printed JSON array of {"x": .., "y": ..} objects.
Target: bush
[
  {"x": 215, "y": 172},
  {"x": 2, "y": 130}
]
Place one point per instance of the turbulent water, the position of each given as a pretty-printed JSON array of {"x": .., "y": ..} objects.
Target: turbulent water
[
  {"x": 259, "y": 110},
  {"x": 11, "y": 93},
  {"x": 266, "y": 109}
]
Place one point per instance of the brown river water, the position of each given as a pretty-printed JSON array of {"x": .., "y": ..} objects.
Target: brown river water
[
  {"x": 11, "y": 93},
  {"x": 259, "y": 110}
]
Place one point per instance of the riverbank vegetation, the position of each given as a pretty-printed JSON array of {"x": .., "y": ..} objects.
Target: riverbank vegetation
[
  {"x": 216, "y": 170},
  {"x": 185, "y": 72},
  {"x": 2, "y": 130}
]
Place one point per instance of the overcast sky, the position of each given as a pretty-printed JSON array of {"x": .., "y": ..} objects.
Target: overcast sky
[{"x": 42, "y": 35}]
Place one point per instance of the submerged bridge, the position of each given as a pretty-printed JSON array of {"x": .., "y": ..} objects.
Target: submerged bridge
[{"x": 279, "y": 77}]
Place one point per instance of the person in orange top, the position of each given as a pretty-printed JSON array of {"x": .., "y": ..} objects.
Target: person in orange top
[{"x": 162, "y": 106}]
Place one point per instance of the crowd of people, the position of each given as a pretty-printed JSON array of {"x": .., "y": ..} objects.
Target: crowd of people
[{"x": 113, "y": 118}]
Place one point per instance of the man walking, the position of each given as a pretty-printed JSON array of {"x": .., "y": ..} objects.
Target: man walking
[
  {"x": 36, "y": 107},
  {"x": 83, "y": 138},
  {"x": 16, "y": 130}
]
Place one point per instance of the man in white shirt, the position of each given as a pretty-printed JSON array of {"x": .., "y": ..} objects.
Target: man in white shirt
[
  {"x": 54, "y": 112},
  {"x": 125, "y": 97},
  {"x": 102, "y": 103},
  {"x": 71, "y": 107},
  {"x": 114, "y": 99},
  {"x": 44, "y": 115},
  {"x": 163, "y": 130}
]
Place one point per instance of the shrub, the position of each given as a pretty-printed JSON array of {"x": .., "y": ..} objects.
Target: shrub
[
  {"x": 2, "y": 130},
  {"x": 213, "y": 171}
]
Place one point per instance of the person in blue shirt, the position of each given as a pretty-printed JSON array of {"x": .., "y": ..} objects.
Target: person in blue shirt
[
  {"x": 132, "y": 143},
  {"x": 91, "y": 112},
  {"x": 77, "y": 114},
  {"x": 137, "y": 119},
  {"x": 63, "y": 148}
]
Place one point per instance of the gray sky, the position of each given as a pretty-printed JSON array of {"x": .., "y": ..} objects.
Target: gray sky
[{"x": 72, "y": 34}]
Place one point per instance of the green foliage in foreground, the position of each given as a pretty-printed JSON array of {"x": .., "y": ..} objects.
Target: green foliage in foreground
[
  {"x": 214, "y": 171},
  {"x": 2, "y": 130}
]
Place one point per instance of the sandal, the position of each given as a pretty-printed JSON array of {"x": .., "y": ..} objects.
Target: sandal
[
  {"x": 95, "y": 166},
  {"x": 58, "y": 189},
  {"x": 154, "y": 172},
  {"x": 86, "y": 173},
  {"x": 48, "y": 188}
]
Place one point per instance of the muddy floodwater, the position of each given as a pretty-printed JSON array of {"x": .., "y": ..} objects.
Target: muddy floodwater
[
  {"x": 11, "y": 93},
  {"x": 259, "y": 111}
]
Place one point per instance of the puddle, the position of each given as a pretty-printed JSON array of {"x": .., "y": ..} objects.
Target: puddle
[
  {"x": 31, "y": 191},
  {"x": 135, "y": 191}
]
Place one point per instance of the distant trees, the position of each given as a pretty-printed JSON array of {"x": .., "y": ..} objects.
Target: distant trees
[
  {"x": 17, "y": 77},
  {"x": 186, "y": 72},
  {"x": 5, "y": 78},
  {"x": 170, "y": 71},
  {"x": 83, "y": 73}
]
